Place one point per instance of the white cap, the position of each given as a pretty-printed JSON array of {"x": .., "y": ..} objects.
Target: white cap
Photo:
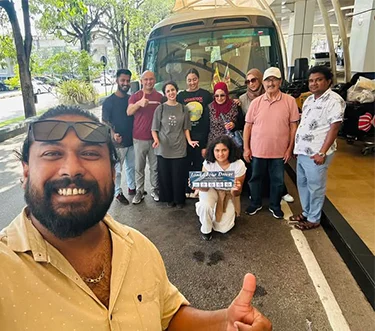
[{"x": 272, "y": 71}]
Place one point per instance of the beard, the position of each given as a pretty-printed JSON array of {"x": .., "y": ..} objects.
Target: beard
[
  {"x": 123, "y": 88},
  {"x": 68, "y": 220}
]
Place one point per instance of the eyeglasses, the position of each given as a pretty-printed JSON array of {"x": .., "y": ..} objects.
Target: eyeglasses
[
  {"x": 220, "y": 95},
  {"x": 252, "y": 81},
  {"x": 55, "y": 130}
]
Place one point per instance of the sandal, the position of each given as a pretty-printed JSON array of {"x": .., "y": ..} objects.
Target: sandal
[
  {"x": 306, "y": 225},
  {"x": 297, "y": 218}
]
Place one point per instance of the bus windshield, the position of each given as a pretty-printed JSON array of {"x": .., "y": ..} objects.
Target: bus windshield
[{"x": 225, "y": 55}]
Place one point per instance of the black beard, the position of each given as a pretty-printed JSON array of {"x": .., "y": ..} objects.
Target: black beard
[
  {"x": 122, "y": 90},
  {"x": 73, "y": 219}
]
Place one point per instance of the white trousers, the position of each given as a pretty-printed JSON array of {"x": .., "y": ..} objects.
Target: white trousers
[{"x": 206, "y": 208}]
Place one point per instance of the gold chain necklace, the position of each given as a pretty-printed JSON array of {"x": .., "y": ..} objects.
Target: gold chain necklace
[
  {"x": 94, "y": 280},
  {"x": 88, "y": 279}
]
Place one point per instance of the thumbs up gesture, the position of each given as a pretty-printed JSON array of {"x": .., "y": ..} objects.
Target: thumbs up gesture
[
  {"x": 143, "y": 102},
  {"x": 241, "y": 315}
]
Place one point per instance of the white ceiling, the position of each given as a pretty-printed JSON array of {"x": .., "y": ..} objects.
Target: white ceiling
[{"x": 283, "y": 9}]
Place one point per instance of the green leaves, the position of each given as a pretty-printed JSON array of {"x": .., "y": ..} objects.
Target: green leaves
[{"x": 75, "y": 92}]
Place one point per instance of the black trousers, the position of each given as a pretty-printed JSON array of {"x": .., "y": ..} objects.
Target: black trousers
[
  {"x": 194, "y": 162},
  {"x": 171, "y": 173}
]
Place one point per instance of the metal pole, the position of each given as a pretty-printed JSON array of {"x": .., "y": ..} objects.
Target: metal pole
[
  {"x": 344, "y": 38},
  {"x": 331, "y": 46},
  {"x": 105, "y": 81}
]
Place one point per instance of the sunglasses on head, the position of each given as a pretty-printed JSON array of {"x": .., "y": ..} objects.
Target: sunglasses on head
[
  {"x": 220, "y": 95},
  {"x": 55, "y": 130},
  {"x": 252, "y": 80}
]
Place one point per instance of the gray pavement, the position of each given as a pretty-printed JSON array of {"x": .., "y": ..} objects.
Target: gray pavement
[{"x": 210, "y": 273}]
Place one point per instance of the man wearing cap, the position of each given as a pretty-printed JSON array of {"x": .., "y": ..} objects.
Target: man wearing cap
[{"x": 271, "y": 124}]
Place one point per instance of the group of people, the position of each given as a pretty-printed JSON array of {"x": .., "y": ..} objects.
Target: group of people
[
  {"x": 69, "y": 264},
  {"x": 193, "y": 130},
  {"x": 274, "y": 132}
]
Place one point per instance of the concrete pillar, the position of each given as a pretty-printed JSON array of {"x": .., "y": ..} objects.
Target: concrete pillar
[
  {"x": 362, "y": 37},
  {"x": 300, "y": 31}
]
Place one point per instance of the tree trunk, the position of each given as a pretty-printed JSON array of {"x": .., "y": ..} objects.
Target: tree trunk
[{"x": 23, "y": 56}]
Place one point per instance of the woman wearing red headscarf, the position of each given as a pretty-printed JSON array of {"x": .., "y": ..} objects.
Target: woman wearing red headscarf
[{"x": 224, "y": 113}]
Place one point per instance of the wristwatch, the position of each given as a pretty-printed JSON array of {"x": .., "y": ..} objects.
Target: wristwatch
[{"x": 322, "y": 154}]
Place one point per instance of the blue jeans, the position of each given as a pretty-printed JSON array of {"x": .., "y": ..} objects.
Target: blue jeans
[
  {"x": 311, "y": 183},
  {"x": 259, "y": 168},
  {"x": 126, "y": 158}
]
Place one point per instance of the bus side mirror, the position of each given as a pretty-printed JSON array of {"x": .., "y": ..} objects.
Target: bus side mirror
[{"x": 134, "y": 86}]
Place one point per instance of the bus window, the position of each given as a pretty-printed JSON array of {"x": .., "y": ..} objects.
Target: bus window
[{"x": 232, "y": 51}]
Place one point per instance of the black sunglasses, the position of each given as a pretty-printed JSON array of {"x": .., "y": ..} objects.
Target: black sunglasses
[
  {"x": 220, "y": 95},
  {"x": 252, "y": 80},
  {"x": 55, "y": 130}
]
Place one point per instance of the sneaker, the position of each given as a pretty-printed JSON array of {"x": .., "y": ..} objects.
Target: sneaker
[
  {"x": 121, "y": 198},
  {"x": 187, "y": 195},
  {"x": 288, "y": 198},
  {"x": 252, "y": 210},
  {"x": 139, "y": 196},
  {"x": 170, "y": 204},
  {"x": 277, "y": 213},
  {"x": 206, "y": 236},
  {"x": 155, "y": 196},
  {"x": 132, "y": 192}
]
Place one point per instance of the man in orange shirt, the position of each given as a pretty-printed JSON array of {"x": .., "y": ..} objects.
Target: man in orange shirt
[{"x": 271, "y": 124}]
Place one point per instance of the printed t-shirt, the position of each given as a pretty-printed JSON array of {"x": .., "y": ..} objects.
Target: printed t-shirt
[
  {"x": 197, "y": 102},
  {"x": 144, "y": 115},
  {"x": 170, "y": 122}
]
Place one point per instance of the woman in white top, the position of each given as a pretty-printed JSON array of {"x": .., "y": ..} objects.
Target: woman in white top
[{"x": 218, "y": 208}]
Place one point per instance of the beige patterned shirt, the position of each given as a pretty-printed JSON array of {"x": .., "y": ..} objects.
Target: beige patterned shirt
[{"x": 40, "y": 290}]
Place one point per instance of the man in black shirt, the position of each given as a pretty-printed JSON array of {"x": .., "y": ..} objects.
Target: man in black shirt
[{"x": 114, "y": 114}]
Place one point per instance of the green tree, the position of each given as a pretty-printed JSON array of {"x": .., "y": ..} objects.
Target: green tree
[
  {"x": 71, "y": 21},
  {"x": 23, "y": 49},
  {"x": 75, "y": 63},
  {"x": 7, "y": 49},
  {"x": 148, "y": 13}
]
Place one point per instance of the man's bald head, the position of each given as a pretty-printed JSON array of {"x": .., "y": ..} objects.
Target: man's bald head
[{"x": 148, "y": 81}]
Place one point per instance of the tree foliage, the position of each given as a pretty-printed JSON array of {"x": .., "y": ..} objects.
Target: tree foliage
[
  {"x": 75, "y": 63},
  {"x": 128, "y": 22},
  {"x": 71, "y": 21},
  {"x": 7, "y": 50},
  {"x": 23, "y": 47},
  {"x": 148, "y": 14}
]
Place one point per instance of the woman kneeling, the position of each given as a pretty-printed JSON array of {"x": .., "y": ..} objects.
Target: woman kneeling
[{"x": 218, "y": 208}]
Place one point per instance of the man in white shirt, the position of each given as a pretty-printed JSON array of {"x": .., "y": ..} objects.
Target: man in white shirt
[{"x": 315, "y": 143}]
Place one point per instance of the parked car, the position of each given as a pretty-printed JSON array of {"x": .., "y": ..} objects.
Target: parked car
[
  {"x": 39, "y": 87},
  {"x": 4, "y": 87},
  {"x": 53, "y": 81}
]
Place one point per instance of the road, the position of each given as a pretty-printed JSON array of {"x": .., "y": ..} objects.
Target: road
[
  {"x": 11, "y": 107},
  {"x": 302, "y": 283}
]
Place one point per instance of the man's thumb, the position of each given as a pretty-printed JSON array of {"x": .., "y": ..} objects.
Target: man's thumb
[{"x": 247, "y": 292}]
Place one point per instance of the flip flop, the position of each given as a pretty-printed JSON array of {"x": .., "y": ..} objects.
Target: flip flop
[
  {"x": 306, "y": 225},
  {"x": 295, "y": 219}
]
